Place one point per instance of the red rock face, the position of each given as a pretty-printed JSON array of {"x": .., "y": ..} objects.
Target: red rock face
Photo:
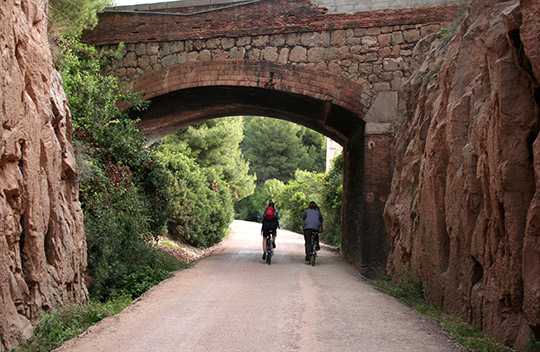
[
  {"x": 464, "y": 211},
  {"x": 42, "y": 244}
]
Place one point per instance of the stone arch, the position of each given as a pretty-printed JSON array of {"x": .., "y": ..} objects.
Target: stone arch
[{"x": 187, "y": 93}]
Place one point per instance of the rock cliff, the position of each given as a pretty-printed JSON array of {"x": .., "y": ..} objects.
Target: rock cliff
[
  {"x": 464, "y": 210},
  {"x": 43, "y": 248}
]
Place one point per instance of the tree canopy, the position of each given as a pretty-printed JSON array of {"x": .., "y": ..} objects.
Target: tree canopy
[
  {"x": 215, "y": 144},
  {"x": 277, "y": 148}
]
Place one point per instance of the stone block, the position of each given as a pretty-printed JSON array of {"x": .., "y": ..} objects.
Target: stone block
[
  {"x": 315, "y": 54},
  {"x": 283, "y": 56},
  {"x": 337, "y": 38},
  {"x": 243, "y": 41},
  {"x": 140, "y": 49},
  {"x": 270, "y": 54},
  {"x": 310, "y": 39},
  {"x": 237, "y": 53},
  {"x": 298, "y": 54},
  {"x": 260, "y": 41},
  {"x": 412, "y": 35},
  {"x": 397, "y": 38},
  {"x": 370, "y": 41},
  {"x": 277, "y": 40}
]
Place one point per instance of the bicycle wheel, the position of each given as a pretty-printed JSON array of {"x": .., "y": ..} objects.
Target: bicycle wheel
[
  {"x": 269, "y": 258},
  {"x": 312, "y": 259}
]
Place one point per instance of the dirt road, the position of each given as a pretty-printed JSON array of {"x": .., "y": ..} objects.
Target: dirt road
[{"x": 232, "y": 301}]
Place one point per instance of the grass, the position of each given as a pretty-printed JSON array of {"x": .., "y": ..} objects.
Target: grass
[
  {"x": 170, "y": 244},
  {"x": 408, "y": 288},
  {"x": 56, "y": 327}
]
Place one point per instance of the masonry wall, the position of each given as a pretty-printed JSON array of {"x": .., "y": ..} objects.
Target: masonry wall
[{"x": 370, "y": 49}]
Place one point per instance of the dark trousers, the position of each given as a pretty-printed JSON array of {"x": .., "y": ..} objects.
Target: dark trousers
[{"x": 307, "y": 240}]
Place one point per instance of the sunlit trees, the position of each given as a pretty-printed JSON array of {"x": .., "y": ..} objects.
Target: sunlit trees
[{"x": 277, "y": 148}]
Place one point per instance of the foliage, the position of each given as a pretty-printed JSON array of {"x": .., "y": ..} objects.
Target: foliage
[
  {"x": 215, "y": 143},
  {"x": 73, "y": 16},
  {"x": 406, "y": 286},
  {"x": 123, "y": 191},
  {"x": 533, "y": 345},
  {"x": 331, "y": 202},
  {"x": 472, "y": 338},
  {"x": 251, "y": 208},
  {"x": 295, "y": 197},
  {"x": 277, "y": 148},
  {"x": 56, "y": 327},
  {"x": 204, "y": 207}
]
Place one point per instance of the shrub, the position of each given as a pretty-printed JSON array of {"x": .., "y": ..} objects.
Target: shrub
[
  {"x": 204, "y": 210},
  {"x": 123, "y": 191},
  {"x": 331, "y": 202},
  {"x": 251, "y": 208},
  {"x": 56, "y": 327},
  {"x": 295, "y": 197}
]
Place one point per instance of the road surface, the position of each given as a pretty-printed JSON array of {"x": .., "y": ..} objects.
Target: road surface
[{"x": 233, "y": 301}]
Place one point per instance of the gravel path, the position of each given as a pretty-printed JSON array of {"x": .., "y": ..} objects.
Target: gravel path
[{"x": 233, "y": 301}]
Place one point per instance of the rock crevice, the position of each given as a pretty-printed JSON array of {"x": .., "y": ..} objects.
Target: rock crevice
[{"x": 464, "y": 206}]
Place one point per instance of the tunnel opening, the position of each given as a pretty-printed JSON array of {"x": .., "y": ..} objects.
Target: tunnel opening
[
  {"x": 174, "y": 110},
  {"x": 363, "y": 242}
]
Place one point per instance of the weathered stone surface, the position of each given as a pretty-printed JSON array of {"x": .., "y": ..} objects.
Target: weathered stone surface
[
  {"x": 465, "y": 202},
  {"x": 42, "y": 244}
]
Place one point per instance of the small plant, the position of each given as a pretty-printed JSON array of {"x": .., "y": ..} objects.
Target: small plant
[{"x": 448, "y": 33}]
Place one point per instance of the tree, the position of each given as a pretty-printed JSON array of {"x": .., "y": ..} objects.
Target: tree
[
  {"x": 216, "y": 144},
  {"x": 276, "y": 149},
  {"x": 332, "y": 201},
  {"x": 295, "y": 197},
  {"x": 73, "y": 16},
  {"x": 250, "y": 208}
]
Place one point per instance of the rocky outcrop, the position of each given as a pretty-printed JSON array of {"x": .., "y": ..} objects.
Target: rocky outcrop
[
  {"x": 43, "y": 248},
  {"x": 464, "y": 211}
]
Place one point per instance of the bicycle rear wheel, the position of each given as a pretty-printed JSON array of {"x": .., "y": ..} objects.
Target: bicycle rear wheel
[
  {"x": 269, "y": 258},
  {"x": 312, "y": 259}
]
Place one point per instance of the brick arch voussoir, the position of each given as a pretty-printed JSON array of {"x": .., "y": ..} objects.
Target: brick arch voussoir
[{"x": 323, "y": 86}]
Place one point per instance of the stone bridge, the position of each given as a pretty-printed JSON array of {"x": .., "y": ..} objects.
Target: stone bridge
[{"x": 335, "y": 66}]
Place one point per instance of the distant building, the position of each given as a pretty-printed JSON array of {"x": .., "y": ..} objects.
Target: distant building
[{"x": 332, "y": 150}]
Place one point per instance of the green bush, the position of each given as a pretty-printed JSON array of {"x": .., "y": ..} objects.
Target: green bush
[
  {"x": 204, "y": 210},
  {"x": 331, "y": 202},
  {"x": 123, "y": 191},
  {"x": 251, "y": 208},
  {"x": 295, "y": 198},
  {"x": 118, "y": 239},
  {"x": 56, "y": 327}
]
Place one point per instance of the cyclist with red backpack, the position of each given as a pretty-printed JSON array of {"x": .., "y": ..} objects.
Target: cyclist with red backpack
[{"x": 270, "y": 223}]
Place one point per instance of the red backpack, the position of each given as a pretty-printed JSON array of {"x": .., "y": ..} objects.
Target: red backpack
[{"x": 269, "y": 213}]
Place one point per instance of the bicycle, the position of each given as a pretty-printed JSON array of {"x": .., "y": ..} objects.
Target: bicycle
[
  {"x": 313, "y": 253},
  {"x": 269, "y": 248}
]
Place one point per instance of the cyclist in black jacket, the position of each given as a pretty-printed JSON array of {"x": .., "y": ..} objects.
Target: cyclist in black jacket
[{"x": 312, "y": 220}]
